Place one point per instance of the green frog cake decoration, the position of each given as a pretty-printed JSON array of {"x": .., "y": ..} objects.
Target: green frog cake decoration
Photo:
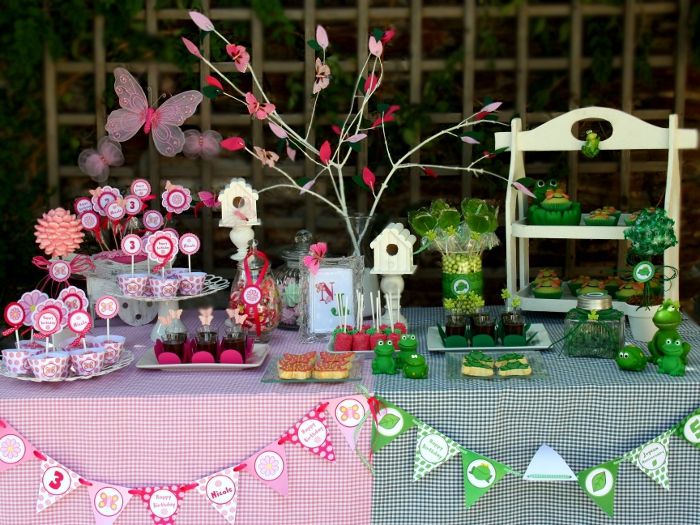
[
  {"x": 408, "y": 344},
  {"x": 667, "y": 319},
  {"x": 672, "y": 362},
  {"x": 383, "y": 362},
  {"x": 415, "y": 367}
]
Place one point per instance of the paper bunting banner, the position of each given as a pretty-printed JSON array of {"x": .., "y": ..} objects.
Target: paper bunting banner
[
  {"x": 56, "y": 482},
  {"x": 221, "y": 491},
  {"x": 14, "y": 449},
  {"x": 548, "y": 465},
  {"x": 391, "y": 422},
  {"x": 269, "y": 466},
  {"x": 349, "y": 412},
  {"x": 311, "y": 433},
  {"x": 432, "y": 450},
  {"x": 599, "y": 483},
  {"x": 652, "y": 458},
  {"x": 163, "y": 502},
  {"x": 107, "y": 501},
  {"x": 689, "y": 428},
  {"x": 480, "y": 475}
]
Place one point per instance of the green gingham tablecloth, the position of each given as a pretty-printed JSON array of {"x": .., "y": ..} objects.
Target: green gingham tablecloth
[{"x": 586, "y": 409}]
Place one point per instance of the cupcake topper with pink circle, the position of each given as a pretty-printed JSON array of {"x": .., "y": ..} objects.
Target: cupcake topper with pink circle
[
  {"x": 162, "y": 247},
  {"x": 80, "y": 323},
  {"x": 132, "y": 245},
  {"x": 107, "y": 307},
  {"x": 176, "y": 199},
  {"x": 47, "y": 323},
  {"x": 189, "y": 245},
  {"x": 14, "y": 317},
  {"x": 153, "y": 220}
]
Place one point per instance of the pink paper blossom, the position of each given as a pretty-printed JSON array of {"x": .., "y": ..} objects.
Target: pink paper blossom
[
  {"x": 268, "y": 158},
  {"x": 30, "y": 302},
  {"x": 239, "y": 55},
  {"x": 323, "y": 73}
]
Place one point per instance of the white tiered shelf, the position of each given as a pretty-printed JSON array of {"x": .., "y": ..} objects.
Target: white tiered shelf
[{"x": 629, "y": 133}]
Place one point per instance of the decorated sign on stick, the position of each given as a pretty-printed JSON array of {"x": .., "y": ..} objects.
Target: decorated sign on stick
[
  {"x": 80, "y": 323},
  {"x": 162, "y": 247},
  {"x": 107, "y": 307},
  {"x": 153, "y": 220},
  {"x": 132, "y": 245},
  {"x": 189, "y": 245},
  {"x": 14, "y": 317},
  {"x": 47, "y": 323}
]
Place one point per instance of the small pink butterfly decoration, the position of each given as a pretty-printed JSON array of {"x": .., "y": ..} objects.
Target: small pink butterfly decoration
[
  {"x": 317, "y": 253},
  {"x": 236, "y": 317},
  {"x": 165, "y": 121},
  {"x": 323, "y": 74},
  {"x": 96, "y": 162},
  {"x": 208, "y": 199},
  {"x": 204, "y": 144},
  {"x": 255, "y": 108}
]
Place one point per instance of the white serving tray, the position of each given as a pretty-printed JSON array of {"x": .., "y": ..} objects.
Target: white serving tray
[
  {"x": 541, "y": 341},
  {"x": 149, "y": 362}
]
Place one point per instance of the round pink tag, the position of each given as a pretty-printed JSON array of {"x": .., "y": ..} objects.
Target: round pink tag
[
  {"x": 152, "y": 220},
  {"x": 252, "y": 295},
  {"x": 141, "y": 188},
  {"x": 132, "y": 205},
  {"x": 107, "y": 307},
  {"x": 131, "y": 244},
  {"x": 90, "y": 221},
  {"x": 189, "y": 243},
  {"x": 79, "y": 322},
  {"x": 105, "y": 199},
  {"x": 47, "y": 322},
  {"x": 14, "y": 314},
  {"x": 115, "y": 211},
  {"x": 81, "y": 205},
  {"x": 59, "y": 271}
]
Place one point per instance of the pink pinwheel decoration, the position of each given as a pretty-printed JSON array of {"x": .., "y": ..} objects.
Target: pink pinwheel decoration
[
  {"x": 317, "y": 253},
  {"x": 268, "y": 158},
  {"x": 96, "y": 162},
  {"x": 205, "y": 144},
  {"x": 323, "y": 73},
  {"x": 240, "y": 57},
  {"x": 259, "y": 111},
  {"x": 165, "y": 121}
]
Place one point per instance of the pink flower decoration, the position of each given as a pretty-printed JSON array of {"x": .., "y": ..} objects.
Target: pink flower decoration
[
  {"x": 58, "y": 307},
  {"x": 317, "y": 253},
  {"x": 58, "y": 232},
  {"x": 176, "y": 198},
  {"x": 30, "y": 302},
  {"x": 255, "y": 108},
  {"x": 103, "y": 197},
  {"x": 239, "y": 55},
  {"x": 268, "y": 158},
  {"x": 74, "y": 298},
  {"x": 323, "y": 73}
]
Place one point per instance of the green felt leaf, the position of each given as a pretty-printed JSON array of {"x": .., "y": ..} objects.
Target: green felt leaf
[
  {"x": 314, "y": 45},
  {"x": 499, "y": 150},
  {"x": 355, "y": 146},
  {"x": 382, "y": 107},
  {"x": 481, "y": 340},
  {"x": 358, "y": 180},
  {"x": 211, "y": 92},
  {"x": 389, "y": 421},
  {"x": 377, "y": 33},
  {"x": 476, "y": 135},
  {"x": 303, "y": 180}
]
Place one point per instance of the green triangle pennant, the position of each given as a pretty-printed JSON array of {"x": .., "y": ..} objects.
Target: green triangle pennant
[
  {"x": 652, "y": 458},
  {"x": 432, "y": 450},
  {"x": 392, "y": 421},
  {"x": 480, "y": 475},
  {"x": 599, "y": 484},
  {"x": 689, "y": 428}
]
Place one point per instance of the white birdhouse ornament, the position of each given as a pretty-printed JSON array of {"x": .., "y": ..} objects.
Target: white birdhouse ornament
[
  {"x": 238, "y": 204},
  {"x": 393, "y": 251}
]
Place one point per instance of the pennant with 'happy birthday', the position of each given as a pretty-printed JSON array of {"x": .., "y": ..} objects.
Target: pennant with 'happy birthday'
[
  {"x": 652, "y": 458},
  {"x": 269, "y": 466},
  {"x": 599, "y": 484},
  {"x": 221, "y": 491},
  {"x": 56, "y": 482},
  {"x": 480, "y": 475},
  {"x": 311, "y": 433},
  {"x": 349, "y": 413},
  {"x": 14, "y": 448},
  {"x": 689, "y": 428},
  {"x": 107, "y": 502},
  {"x": 163, "y": 502},
  {"x": 391, "y": 421},
  {"x": 432, "y": 450}
]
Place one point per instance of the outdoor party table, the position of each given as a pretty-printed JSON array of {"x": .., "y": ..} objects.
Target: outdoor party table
[{"x": 140, "y": 428}]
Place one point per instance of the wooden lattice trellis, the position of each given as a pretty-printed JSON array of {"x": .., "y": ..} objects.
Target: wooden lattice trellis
[{"x": 363, "y": 16}]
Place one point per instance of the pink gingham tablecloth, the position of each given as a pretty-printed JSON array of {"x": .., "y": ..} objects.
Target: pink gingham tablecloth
[{"x": 139, "y": 428}]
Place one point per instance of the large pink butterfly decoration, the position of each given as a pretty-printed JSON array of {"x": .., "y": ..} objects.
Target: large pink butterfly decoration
[
  {"x": 96, "y": 162},
  {"x": 255, "y": 108},
  {"x": 165, "y": 121},
  {"x": 317, "y": 253},
  {"x": 205, "y": 145}
]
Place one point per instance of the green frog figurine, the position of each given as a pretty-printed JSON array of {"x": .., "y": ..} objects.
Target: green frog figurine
[
  {"x": 408, "y": 344},
  {"x": 672, "y": 361},
  {"x": 667, "y": 319},
  {"x": 415, "y": 367},
  {"x": 631, "y": 358},
  {"x": 383, "y": 362}
]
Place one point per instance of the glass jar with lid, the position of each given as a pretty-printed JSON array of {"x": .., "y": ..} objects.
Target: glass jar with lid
[
  {"x": 254, "y": 293},
  {"x": 594, "y": 328},
  {"x": 288, "y": 280}
]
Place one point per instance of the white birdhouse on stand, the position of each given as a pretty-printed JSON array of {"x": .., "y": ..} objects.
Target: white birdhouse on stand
[
  {"x": 393, "y": 257},
  {"x": 240, "y": 213}
]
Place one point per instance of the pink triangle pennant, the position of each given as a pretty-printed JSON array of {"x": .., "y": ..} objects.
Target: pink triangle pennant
[
  {"x": 221, "y": 491},
  {"x": 163, "y": 502},
  {"x": 56, "y": 482},
  {"x": 107, "y": 502},
  {"x": 311, "y": 433},
  {"x": 269, "y": 465},
  {"x": 349, "y": 412},
  {"x": 14, "y": 448}
]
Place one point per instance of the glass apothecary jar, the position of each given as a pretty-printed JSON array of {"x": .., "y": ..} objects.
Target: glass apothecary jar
[
  {"x": 254, "y": 292},
  {"x": 594, "y": 328},
  {"x": 288, "y": 280}
]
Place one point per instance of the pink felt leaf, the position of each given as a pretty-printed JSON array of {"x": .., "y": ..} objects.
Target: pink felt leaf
[
  {"x": 202, "y": 21},
  {"x": 291, "y": 153},
  {"x": 490, "y": 108},
  {"x": 469, "y": 140},
  {"x": 371, "y": 83},
  {"x": 518, "y": 186},
  {"x": 375, "y": 46},
  {"x": 357, "y": 138},
  {"x": 212, "y": 81},
  {"x": 233, "y": 143},
  {"x": 277, "y": 130},
  {"x": 388, "y": 35},
  {"x": 308, "y": 185},
  {"x": 321, "y": 37},
  {"x": 429, "y": 172},
  {"x": 324, "y": 153},
  {"x": 368, "y": 177},
  {"x": 336, "y": 129},
  {"x": 191, "y": 47}
]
